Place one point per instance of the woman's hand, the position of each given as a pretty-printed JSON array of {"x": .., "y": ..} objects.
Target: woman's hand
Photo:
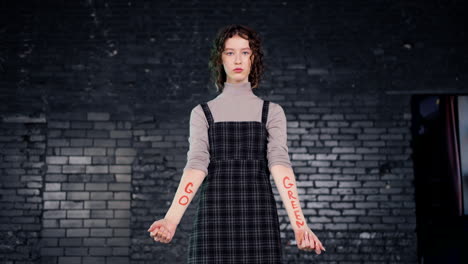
[
  {"x": 307, "y": 240},
  {"x": 162, "y": 230}
]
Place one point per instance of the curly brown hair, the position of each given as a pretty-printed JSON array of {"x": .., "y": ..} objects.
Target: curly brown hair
[{"x": 215, "y": 64}]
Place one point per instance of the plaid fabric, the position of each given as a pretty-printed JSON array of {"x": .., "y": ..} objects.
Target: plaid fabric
[{"x": 237, "y": 218}]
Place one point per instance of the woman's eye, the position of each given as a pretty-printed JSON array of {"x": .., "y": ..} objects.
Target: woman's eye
[{"x": 245, "y": 52}]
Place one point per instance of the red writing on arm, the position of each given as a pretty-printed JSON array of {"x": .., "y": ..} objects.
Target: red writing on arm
[
  {"x": 293, "y": 200},
  {"x": 185, "y": 199}
]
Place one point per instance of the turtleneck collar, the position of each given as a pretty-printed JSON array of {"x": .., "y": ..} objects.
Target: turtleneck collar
[{"x": 237, "y": 89}]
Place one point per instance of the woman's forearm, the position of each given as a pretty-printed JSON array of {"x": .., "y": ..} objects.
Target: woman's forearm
[
  {"x": 188, "y": 187},
  {"x": 286, "y": 184}
]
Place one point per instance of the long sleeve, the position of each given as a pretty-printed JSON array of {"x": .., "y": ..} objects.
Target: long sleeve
[
  {"x": 198, "y": 155},
  {"x": 277, "y": 137}
]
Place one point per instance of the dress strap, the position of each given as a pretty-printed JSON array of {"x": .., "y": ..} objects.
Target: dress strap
[
  {"x": 266, "y": 104},
  {"x": 207, "y": 112}
]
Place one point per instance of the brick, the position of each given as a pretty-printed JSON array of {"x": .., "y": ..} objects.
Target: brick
[
  {"x": 54, "y": 169},
  {"x": 95, "y": 151},
  {"x": 118, "y": 222},
  {"x": 120, "y": 187},
  {"x": 103, "y": 160},
  {"x": 123, "y": 177},
  {"x": 54, "y": 195},
  {"x": 104, "y": 143},
  {"x": 101, "y": 232},
  {"x": 66, "y": 223},
  {"x": 118, "y": 204},
  {"x": 103, "y": 178},
  {"x": 69, "y": 260},
  {"x": 53, "y": 232},
  {"x": 71, "y": 151},
  {"x": 122, "y": 214},
  {"x": 50, "y": 223},
  {"x": 78, "y": 214},
  {"x": 120, "y": 251},
  {"x": 95, "y": 205},
  {"x": 73, "y": 169},
  {"x": 96, "y": 260},
  {"x": 122, "y": 232},
  {"x": 95, "y": 223},
  {"x": 121, "y": 134},
  {"x": 125, "y": 152},
  {"x": 102, "y": 213},
  {"x": 91, "y": 242},
  {"x": 57, "y": 160},
  {"x": 79, "y": 160},
  {"x": 120, "y": 169},
  {"x": 51, "y": 204},
  {"x": 51, "y": 251},
  {"x": 52, "y": 186},
  {"x": 97, "y": 134},
  {"x": 104, "y": 125},
  {"x": 49, "y": 242},
  {"x": 98, "y": 116},
  {"x": 71, "y": 205},
  {"x": 118, "y": 242},
  {"x": 81, "y": 142},
  {"x": 96, "y": 187},
  {"x": 97, "y": 169},
  {"x": 76, "y": 251},
  {"x": 58, "y": 124},
  {"x": 78, "y": 232},
  {"x": 66, "y": 242},
  {"x": 78, "y": 195},
  {"x": 72, "y": 186},
  {"x": 81, "y": 125},
  {"x": 122, "y": 196},
  {"x": 101, "y": 195},
  {"x": 124, "y": 160},
  {"x": 58, "y": 143}
]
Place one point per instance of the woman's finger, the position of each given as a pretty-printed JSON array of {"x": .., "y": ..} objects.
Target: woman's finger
[
  {"x": 155, "y": 231},
  {"x": 317, "y": 247},
  {"x": 304, "y": 241},
  {"x": 313, "y": 242},
  {"x": 321, "y": 246},
  {"x": 163, "y": 229},
  {"x": 308, "y": 244},
  {"x": 165, "y": 236},
  {"x": 299, "y": 241},
  {"x": 168, "y": 239},
  {"x": 160, "y": 234},
  {"x": 153, "y": 226}
]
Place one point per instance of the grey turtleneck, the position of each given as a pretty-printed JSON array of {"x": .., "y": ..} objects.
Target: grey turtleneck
[{"x": 237, "y": 102}]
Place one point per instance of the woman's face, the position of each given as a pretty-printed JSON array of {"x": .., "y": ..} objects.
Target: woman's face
[{"x": 236, "y": 55}]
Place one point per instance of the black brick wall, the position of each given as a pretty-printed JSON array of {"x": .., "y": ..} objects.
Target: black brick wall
[{"x": 95, "y": 98}]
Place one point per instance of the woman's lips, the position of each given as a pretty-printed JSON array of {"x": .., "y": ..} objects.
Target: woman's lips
[{"x": 238, "y": 70}]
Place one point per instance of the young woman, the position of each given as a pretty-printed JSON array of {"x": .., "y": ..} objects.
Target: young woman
[{"x": 236, "y": 141}]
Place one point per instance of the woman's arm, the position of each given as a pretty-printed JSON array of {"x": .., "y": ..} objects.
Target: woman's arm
[
  {"x": 286, "y": 184},
  {"x": 196, "y": 169},
  {"x": 188, "y": 187}
]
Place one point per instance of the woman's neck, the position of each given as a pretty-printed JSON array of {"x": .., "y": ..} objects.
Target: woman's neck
[{"x": 237, "y": 89}]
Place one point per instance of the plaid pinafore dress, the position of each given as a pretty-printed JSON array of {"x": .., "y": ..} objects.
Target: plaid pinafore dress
[{"x": 237, "y": 218}]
